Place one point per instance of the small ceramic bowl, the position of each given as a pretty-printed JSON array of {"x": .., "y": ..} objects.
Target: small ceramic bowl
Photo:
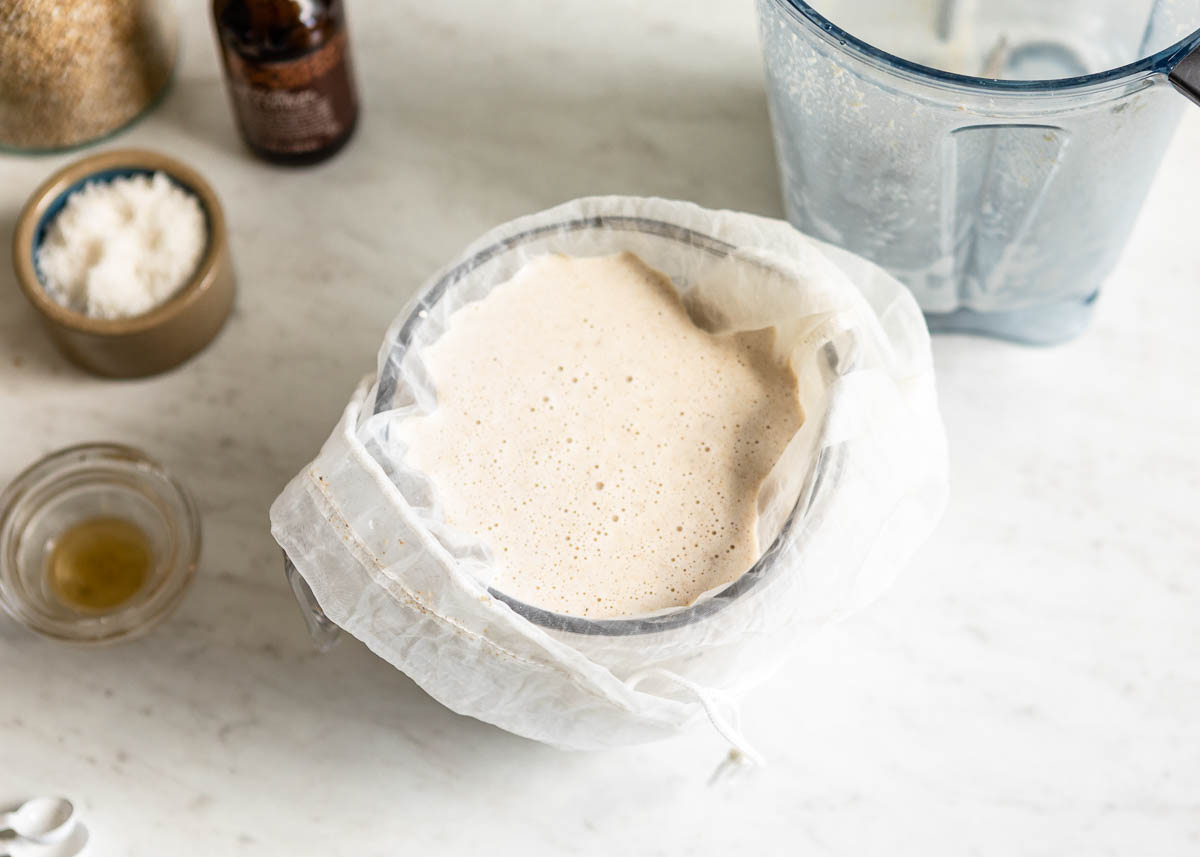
[
  {"x": 144, "y": 344},
  {"x": 71, "y": 487}
]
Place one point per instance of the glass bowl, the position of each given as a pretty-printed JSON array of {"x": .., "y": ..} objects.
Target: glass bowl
[
  {"x": 497, "y": 263},
  {"x": 72, "y": 486}
]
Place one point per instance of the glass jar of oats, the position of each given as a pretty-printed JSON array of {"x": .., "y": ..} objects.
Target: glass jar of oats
[{"x": 74, "y": 71}]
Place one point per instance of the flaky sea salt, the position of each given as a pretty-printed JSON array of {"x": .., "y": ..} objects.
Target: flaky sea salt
[{"x": 120, "y": 248}]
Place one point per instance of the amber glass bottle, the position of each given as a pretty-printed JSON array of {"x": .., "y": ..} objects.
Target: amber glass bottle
[{"x": 287, "y": 63}]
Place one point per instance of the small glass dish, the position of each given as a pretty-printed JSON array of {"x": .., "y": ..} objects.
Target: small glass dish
[{"x": 75, "y": 485}]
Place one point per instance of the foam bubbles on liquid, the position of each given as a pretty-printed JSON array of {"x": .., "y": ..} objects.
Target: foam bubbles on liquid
[{"x": 607, "y": 450}]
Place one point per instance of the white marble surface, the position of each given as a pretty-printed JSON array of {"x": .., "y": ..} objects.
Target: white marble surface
[{"x": 1032, "y": 686}]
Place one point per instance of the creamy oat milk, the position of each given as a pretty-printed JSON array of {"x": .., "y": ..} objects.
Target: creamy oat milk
[{"x": 607, "y": 450}]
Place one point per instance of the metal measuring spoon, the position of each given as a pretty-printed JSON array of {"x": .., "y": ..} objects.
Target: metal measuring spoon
[
  {"x": 74, "y": 844},
  {"x": 41, "y": 820}
]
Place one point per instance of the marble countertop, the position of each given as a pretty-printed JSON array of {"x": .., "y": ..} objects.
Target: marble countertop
[{"x": 1030, "y": 687}]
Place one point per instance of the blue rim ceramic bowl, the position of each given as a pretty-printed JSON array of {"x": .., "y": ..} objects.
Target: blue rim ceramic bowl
[{"x": 154, "y": 341}]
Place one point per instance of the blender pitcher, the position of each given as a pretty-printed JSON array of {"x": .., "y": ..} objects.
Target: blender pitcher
[{"x": 991, "y": 154}]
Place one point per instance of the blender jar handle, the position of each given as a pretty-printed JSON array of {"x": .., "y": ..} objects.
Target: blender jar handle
[{"x": 1185, "y": 76}]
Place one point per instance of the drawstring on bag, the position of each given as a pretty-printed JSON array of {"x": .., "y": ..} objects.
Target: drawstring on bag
[{"x": 728, "y": 726}]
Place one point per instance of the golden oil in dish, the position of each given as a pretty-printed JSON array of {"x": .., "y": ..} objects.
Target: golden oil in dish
[{"x": 99, "y": 564}]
